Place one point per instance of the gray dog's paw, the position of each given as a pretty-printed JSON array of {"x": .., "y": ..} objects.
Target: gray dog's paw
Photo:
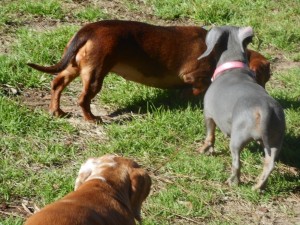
[
  {"x": 206, "y": 149},
  {"x": 233, "y": 181}
]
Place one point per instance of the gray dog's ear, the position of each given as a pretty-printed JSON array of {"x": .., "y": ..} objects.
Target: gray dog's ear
[
  {"x": 245, "y": 36},
  {"x": 212, "y": 38}
]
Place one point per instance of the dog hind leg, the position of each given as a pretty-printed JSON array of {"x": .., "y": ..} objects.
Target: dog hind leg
[
  {"x": 92, "y": 80},
  {"x": 58, "y": 85},
  {"x": 269, "y": 163},
  {"x": 236, "y": 146}
]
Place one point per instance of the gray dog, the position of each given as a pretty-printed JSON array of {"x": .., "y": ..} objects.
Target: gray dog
[{"x": 237, "y": 104}]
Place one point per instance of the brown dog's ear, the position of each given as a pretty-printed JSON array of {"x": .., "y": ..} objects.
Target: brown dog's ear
[
  {"x": 140, "y": 189},
  {"x": 212, "y": 38}
]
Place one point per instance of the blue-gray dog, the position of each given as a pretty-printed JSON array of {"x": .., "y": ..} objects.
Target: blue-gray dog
[{"x": 235, "y": 103}]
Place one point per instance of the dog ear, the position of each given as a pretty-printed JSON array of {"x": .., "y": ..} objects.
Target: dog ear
[
  {"x": 212, "y": 38},
  {"x": 140, "y": 189},
  {"x": 245, "y": 36}
]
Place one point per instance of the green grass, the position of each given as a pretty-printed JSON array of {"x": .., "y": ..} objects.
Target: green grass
[
  {"x": 30, "y": 140},
  {"x": 41, "y": 155},
  {"x": 17, "y": 11},
  {"x": 91, "y": 14},
  {"x": 32, "y": 46},
  {"x": 267, "y": 17}
]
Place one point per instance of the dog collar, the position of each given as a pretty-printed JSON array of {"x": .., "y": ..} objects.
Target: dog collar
[{"x": 227, "y": 66}]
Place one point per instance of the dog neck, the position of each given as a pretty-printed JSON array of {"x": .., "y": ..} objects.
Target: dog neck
[
  {"x": 96, "y": 178},
  {"x": 119, "y": 195},
  {"x": 227, "y": 66}
]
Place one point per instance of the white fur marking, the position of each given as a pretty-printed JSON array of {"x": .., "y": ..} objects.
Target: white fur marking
[
  {"x": 96, "y": 177},
  {"x": 95, "y": 167}
]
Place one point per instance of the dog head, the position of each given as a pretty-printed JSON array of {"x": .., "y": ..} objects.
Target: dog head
[
  {"x": 124, "y": 175},
  {"x": 231, "y": 43},
  {"x": 260, "y": 66}
]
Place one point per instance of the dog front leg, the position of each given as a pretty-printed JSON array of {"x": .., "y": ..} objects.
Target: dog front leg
[{"x": 209, "y": 142}]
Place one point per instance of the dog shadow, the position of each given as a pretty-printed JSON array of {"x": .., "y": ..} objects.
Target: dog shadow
[
  {"x": 288, "y": 103},
  {"x": 290, "y": 154},
  {"x": 167, "y": 99}
]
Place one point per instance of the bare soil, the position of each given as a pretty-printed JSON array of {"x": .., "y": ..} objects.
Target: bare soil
[{"x": 229, "y": 208}]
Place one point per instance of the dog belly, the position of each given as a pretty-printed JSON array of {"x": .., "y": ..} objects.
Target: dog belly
[{"x": 153, "y": 78}]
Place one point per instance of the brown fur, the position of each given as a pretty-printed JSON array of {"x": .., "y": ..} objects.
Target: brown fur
[
  {"x": 157, "y": 56},
  {"x": 114, "y": 199}
]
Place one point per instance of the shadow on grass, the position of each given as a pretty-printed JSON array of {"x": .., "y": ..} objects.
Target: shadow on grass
[
  {"x": 167, "y": 99},
  {"x": 288, "y": 103},
  {"x": 174, "y": 99},
  {"x": 290, "y": 153}
]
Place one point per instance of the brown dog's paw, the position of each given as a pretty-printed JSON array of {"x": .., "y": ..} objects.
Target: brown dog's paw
[
  {"x": 58, "y": 113},
  {"x": 94, "y": 119}
]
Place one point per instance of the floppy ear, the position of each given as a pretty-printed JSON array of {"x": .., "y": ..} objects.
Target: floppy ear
[
  {"x": 245, "y": 36},
  {"x": 212, "y": 38},
  {"x": 140, "y": 189}
]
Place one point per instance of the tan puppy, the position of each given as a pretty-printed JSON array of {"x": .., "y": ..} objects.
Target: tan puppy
[
  {"x": 108, "y": 190},
  {"x": 157, "y": 56}
]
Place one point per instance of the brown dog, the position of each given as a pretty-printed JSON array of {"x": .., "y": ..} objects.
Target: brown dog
[
  {"x": 108, "y": 190},
  {"x": 157, "y": 56}
]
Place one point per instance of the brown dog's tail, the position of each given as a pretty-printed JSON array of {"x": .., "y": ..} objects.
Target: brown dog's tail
[{"x": 77, "y": 42}]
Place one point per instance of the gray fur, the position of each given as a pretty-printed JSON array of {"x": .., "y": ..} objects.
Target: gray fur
[{"x": 240, "y": 107}]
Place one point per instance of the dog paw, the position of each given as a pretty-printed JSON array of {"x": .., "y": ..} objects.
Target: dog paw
[
  {"x": 233, "y": 181},
  {"x": 206, "y": 149},
  {"x": 94, "y": 119},
  {"x": 58, "y": 113},
  {"x": 258, "y": 188}
]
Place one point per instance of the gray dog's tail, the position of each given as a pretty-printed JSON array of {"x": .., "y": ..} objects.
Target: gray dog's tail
[{"x": 77, "y": 42}]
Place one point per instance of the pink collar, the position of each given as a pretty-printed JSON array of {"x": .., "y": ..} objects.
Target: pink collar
[{"x": 227, "y": 66}]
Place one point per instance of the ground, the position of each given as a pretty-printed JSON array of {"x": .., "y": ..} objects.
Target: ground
[{"x": 39, "y": 98}]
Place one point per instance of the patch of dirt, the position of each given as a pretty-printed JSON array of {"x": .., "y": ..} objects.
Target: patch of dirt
[
  {"x": 279, "y": 211},
  {"x": 281, "y": 62},
  {"x": 40, "y": 100}
]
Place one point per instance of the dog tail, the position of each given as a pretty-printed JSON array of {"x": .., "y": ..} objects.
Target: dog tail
[{"x": 77, "y": 42}]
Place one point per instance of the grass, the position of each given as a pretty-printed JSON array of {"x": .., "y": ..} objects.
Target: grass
[
  {"x": 267, "y": 17},
  {"x": 40, "y": 155}
]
